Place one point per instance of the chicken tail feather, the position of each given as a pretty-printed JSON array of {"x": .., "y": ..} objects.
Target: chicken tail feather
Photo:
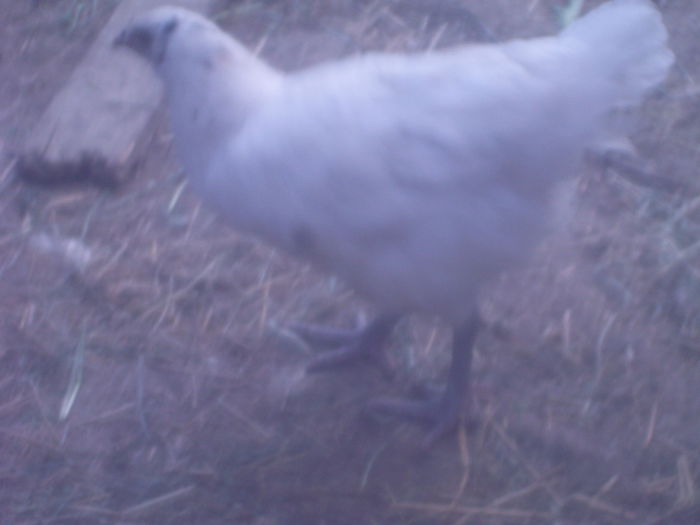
[{"x": 629, "y": 40}]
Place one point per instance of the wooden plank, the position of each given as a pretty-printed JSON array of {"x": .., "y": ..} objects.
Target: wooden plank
[{"x": 108, "y": 99}]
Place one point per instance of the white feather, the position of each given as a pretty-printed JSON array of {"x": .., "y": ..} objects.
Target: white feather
[{"x": 416, "y": 178}]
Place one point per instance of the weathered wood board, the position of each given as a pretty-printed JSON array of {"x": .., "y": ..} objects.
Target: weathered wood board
[{"x": 108, "y": 99}]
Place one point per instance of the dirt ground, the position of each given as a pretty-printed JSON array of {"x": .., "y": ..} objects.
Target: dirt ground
[{"x": 146, "y": 377}]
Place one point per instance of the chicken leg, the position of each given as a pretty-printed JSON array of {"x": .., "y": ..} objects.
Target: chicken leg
[
  {"x": 445, "y": 410},
  {"x": 352, "y": 345}
]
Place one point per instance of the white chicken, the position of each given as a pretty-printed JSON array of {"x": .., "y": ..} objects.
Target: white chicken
[{"x": 416, "y": 178}]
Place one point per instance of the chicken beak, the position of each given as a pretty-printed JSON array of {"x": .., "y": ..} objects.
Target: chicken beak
[{"x": 122, "y": 39}]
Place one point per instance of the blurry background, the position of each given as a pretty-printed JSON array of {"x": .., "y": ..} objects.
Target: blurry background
[{"x": 145, "y": 376}]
